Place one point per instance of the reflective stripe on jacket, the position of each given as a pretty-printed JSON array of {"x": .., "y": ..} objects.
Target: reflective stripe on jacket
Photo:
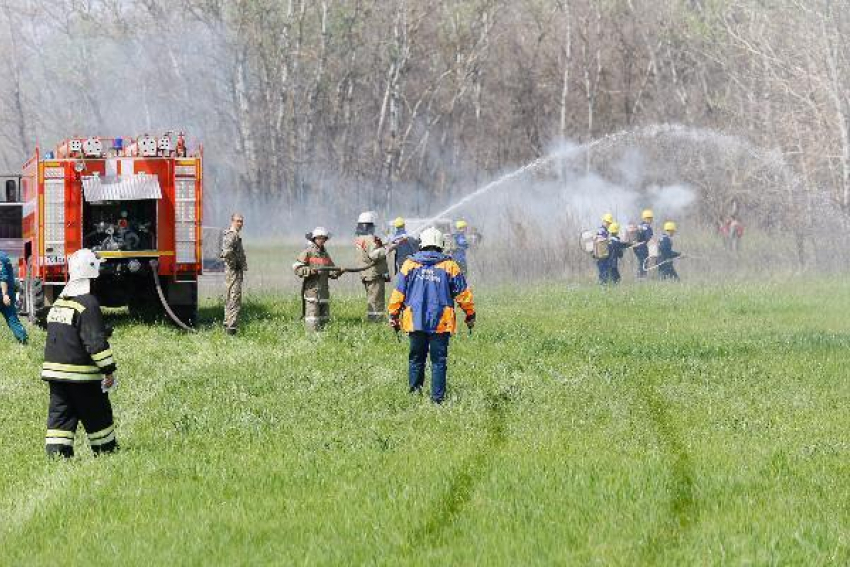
[
  {"x": 76, "y": 349},
  {"x": 426, "y": 289}
]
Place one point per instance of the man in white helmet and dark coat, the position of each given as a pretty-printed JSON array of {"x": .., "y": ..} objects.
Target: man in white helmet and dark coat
[
  {"x": 78, "y": 364},
  {"x": 372, "y": 260},
  {"x": 315, "y": 266}
]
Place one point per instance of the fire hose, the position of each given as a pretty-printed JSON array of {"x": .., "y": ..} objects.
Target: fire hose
[
  {"x": 681, "y": 257},
  {"x": 155, "y": 269}
]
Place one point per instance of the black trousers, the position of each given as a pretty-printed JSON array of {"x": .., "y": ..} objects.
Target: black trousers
[{"x": 71, "y": 403}]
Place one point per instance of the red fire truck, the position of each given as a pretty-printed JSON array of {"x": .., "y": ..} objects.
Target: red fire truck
[{"x": 136, "y": 202}]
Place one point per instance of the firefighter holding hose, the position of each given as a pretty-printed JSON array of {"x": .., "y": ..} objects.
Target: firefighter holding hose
[
  {"x": 315, "y": 267},
  {"x": 666, "y": 254},
  {"x": 407, "y": 245},
  {"x": 423, "y": 305},
  {"x": 235, "y": 266},
  {"x": 78, "y": 364},
  {"x": 372, "y": 264},
  {"x": 7, "y": 299}
]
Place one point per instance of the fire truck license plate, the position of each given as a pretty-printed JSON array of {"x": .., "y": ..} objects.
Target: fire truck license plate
[{"x": 54, "y": 260}]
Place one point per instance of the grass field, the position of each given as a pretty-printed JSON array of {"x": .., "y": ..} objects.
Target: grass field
[{"x": 669, "y": 425}]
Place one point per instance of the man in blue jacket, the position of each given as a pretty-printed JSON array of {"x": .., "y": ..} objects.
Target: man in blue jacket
[
  {"x": 423, "y": 305},
  {"x": 7, "y": 299}
]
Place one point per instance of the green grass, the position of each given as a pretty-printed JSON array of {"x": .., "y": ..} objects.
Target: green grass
[{"x": 669, "y": 425}]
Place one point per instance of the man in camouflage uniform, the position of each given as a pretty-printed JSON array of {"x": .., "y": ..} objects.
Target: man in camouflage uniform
[
  {"x": 372, "y": 260},
  {"x": 315, "y": 267},
  {"x": 235, "y": 264}
]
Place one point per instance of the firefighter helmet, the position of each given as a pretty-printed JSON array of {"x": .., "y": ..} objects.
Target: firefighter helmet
[
  {"x": 460, "y": 224},
  {"x": 670, "y": 226},
  {"x": 607, "y": 218},
  {"x": 367, "y": 217},
  {"x": 614, "y": 228},
  {"x": 320, "y": 231},
  {"x": 647, "y": 214},
  {"x": 83, "y": 265},
  {"x": 398, "y": 222},
  {"x": 431, "y": 237}
]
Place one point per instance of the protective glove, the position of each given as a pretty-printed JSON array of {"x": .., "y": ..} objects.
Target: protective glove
[
  {"x": 470, "y": 320},
  {"x": 111, "y": 380},
  {"x": 395, "y": 323}
]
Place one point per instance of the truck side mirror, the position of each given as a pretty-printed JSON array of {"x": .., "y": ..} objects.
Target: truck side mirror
[{"x": 11, "y": 191}]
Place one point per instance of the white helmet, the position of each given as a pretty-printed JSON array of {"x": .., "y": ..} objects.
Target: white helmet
[
  {"x": 83, "y": 265},
  {"x": 431, "y": 237},
  {"x": 320, "y": 231},
  {"x": 367, "y": 217}
]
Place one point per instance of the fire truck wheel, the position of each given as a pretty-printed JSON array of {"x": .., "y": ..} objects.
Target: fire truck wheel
[{"x": 36, "y": 311}]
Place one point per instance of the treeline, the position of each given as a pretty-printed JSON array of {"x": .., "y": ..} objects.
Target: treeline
[{"x": 382, "y": 102}]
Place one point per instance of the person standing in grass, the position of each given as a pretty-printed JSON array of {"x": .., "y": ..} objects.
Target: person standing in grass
[
  {"x": 461, "y": 245},
  {"x": 315, "y": 266},
  {"x": 78, "y": 364},
  {"x": 600, "y": 248},
  {"x": 423, "y": 305},
  {"x": 615, "y": 252},
  {"x": 372, "y": 261},
  {"x": 407, "y": 245},
  {"x": 235, "y": 266},
  {"x": 666, "y": 254},
  {"x": 641, "y": 249},
  {"x": 7, "y": 299}
]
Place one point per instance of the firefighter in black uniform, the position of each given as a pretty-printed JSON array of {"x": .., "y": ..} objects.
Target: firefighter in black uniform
[{"x": 78, "y": 364}]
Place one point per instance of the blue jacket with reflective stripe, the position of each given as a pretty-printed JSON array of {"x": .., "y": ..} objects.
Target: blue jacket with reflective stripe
[{"x": 426, "y": 287}]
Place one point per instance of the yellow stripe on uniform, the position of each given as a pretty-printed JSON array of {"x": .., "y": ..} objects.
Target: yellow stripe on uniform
[
  {"x": 68, "y": 303},
  {"x": 102, "y": 354},
  {"x": 105, "y": 362},
  {"x": 102, "y": 441},
  {"x": 71, "y": 376},
  {"x": 102, "y": 433},
  {"x": 77, "y": 368},
  {"x": 59, "y": 441},
  {"x": 60, "y": 433}
]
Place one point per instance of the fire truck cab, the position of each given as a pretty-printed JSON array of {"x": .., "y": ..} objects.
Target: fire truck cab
[{"x": 136, "y": 202}]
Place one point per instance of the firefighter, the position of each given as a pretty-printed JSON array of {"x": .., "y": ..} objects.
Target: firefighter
[
  {"x": 423, "y": 305},
  {"x": 600, "y": 248},
  {"x": 78, "y": 364},
  {"x": 235, "y": 266},
  {"x": 644, "y": 235},
  {"x": 461, "y": 244},
  {"x": 372, "y": 260},
  {"x": 666, "y": 254},
  {"x": 7, "y": 293},
  {"x": 615, "y": 252},
  {"x": 407, "y": 245},
  {"x": 315, "y": 267}
]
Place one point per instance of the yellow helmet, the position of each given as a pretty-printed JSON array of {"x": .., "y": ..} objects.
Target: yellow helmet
[
  {"x": 460, "y": 224},
  {"x": 670, "y": 226},
  {"x": 614, "y": 228},
  {"x": 398, "y": 222},
  {"x": 647, "y": 214},
  {"x": 608, "y": 217}
]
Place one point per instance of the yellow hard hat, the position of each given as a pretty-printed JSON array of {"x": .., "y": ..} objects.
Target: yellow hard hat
[
  {"x": 670, "y": 226},
  {"x": 460, "y": 224},
  {"x": 614, "y": 228},
  {"x": 647, "y": 214},
  {"x": 398, "y": 222},
  {"x": 608, "y": 217}
]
